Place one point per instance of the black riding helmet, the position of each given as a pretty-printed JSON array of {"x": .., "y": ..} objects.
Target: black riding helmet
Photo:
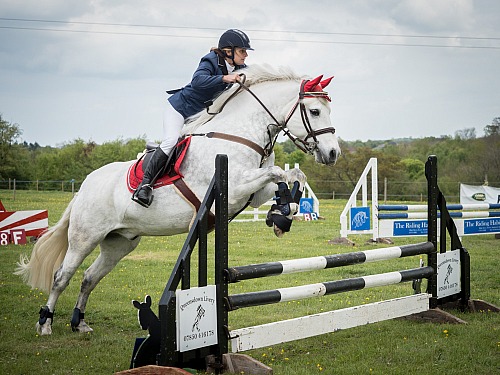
[{"x": 234, "y": 38}]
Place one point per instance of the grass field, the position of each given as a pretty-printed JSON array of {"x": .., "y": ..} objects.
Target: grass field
[{"x": 391, "y": 347}]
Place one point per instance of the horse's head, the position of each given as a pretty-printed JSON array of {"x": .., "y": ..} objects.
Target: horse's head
[{"x": 309, "y": 125}]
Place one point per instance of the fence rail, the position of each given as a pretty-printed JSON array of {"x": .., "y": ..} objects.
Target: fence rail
[
  {"x": 43, "y": 185},
  {"x": 390, "y": 190}
]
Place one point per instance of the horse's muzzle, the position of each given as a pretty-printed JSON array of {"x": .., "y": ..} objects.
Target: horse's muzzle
[{"x": 330, "y": 158}]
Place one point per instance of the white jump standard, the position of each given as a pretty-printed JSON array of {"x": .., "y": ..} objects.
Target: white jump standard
[{"x": 388, "y": 221}]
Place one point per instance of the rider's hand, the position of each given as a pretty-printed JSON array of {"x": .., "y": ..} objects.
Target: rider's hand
[{"x": 230, "y": 78}]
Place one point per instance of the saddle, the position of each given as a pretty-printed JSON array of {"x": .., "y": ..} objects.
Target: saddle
[
  {"x": 171, "y": 175},
  {"x": 171, "y": 171}
]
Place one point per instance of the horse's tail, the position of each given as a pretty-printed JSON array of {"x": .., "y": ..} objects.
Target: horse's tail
[{"x": 47, "y": 255}]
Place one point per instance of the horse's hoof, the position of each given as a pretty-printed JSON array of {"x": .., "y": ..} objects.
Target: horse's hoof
[
  {"x": 82, "y": 327},
  {"x": 278, "y": 232},
  {"x": 44, "y": 329}
]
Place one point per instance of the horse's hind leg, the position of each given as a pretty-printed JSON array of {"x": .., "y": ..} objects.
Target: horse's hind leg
[
  {"x": 113, "y": 248},
  {"x": 77, "y": 252}
]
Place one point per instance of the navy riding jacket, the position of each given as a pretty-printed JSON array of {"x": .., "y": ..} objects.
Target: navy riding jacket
[{"x": 205, "y": 85}]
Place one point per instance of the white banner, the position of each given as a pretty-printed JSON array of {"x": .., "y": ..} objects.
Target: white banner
[
  {"x": 196, "y": 318},
  {"x": 448, "y": 273},
  {"x": 477, "y": 194}
]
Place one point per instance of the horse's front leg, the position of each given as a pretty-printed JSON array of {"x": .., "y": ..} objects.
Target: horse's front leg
[
  {"x": 272, "y": 180},
  {"x": 261, "y": 181},
  {"x": 280, "y": 216}
]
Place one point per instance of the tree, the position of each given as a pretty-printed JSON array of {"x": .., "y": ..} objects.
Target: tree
[
  {"x": 493, "y": 129},
  {"x": 467, "y": 133},
  {"x": 9, "y": 133}
]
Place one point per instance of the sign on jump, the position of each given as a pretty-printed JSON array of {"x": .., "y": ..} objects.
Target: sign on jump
[{"x": 16, "y": 226}]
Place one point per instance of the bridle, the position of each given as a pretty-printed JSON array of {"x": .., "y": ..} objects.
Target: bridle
[{"x": 304, "y": 145}]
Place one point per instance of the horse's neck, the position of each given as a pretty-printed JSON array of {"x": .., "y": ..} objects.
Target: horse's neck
[{"x": 246, "y": 117}]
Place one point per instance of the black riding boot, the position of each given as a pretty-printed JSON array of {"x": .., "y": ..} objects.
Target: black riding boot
[{"x": 144, "y": 193}]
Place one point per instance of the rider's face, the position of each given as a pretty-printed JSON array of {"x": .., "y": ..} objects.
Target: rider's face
[{"x": 240, "y": 54}]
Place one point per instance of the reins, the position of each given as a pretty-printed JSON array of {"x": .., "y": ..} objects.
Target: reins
[
  {"x": 265, "y": 152},
  {"x": 303, "y": 145}
]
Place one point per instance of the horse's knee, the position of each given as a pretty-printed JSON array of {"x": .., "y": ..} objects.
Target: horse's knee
[
  {"x": 277, "y": 174},
  {"x": 296, "y": 174}
]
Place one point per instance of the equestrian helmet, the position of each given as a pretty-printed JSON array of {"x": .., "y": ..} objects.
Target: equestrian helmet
[{"x": 234, "y": 38}]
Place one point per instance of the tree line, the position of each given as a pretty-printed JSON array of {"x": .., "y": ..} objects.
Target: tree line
[{"x": 462, "y": 157}]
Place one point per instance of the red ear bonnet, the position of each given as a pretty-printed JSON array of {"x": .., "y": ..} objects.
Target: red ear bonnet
[
  {"x": 315, "y": 87},
  {"x": 326, "y": 82},
  {"x": 311, "y": 85}
]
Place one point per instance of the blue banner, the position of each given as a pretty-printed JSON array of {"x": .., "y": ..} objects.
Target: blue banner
[
  {"x": 410, "y": 228},
  {"x": 491, "y": 225},
  {"x": 306, "y": 205},
  {"x": 360, "y": 218}
]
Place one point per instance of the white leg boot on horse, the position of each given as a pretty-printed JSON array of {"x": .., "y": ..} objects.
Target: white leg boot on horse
[{"x": 144, "y": 193}]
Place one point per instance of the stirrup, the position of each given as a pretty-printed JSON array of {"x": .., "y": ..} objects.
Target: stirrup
[{"x": 136, "y": 199}]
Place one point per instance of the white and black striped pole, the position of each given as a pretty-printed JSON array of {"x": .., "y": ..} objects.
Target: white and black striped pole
[
  {"x": 237, "y": 301},
  {"x": 254, "y": 271}
]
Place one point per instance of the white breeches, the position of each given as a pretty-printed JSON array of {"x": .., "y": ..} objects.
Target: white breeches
[{"x": 173, "y": 122}]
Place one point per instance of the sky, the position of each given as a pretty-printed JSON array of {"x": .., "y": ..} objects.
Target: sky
[{"x": 97, "y": 70}]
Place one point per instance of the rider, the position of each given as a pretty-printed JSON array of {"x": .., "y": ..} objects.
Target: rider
[{"x": 214, "y": 74}]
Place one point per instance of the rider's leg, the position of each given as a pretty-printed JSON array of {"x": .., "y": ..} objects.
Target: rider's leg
[
  {"x": 172, "y": 125},
  {"x": 144, "y": 193}
]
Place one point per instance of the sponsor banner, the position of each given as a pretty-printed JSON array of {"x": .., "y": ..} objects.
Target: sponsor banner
[
  {"x": 311, "y": 217},
  {"x": 306, "y": 205},
  {"x": 196, "y": 318},
  {"x": 448, "y": 273},
  {"x": 479, "y": 194},
  {"x": 360, "y": 218},
  {"x": 482, "y": 226},
  {"x": 410, "y": 228},
  {"x": 15, "y": 236}
]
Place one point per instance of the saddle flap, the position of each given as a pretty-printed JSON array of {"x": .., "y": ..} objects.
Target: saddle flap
[{"x": 172, "y": 171}]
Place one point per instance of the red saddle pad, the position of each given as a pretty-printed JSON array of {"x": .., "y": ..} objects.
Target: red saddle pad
[{"x": 135, "y": 172}]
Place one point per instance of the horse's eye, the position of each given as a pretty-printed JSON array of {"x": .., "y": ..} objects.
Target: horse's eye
[{"x": 314, "y": 112}]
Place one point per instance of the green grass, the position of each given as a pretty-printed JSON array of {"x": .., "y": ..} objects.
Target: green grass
[{"x": 391, "y": 347}]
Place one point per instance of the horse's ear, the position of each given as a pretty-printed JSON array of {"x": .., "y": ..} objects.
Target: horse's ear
[
  {"x": 326, "y": 82},
  {"x": 310, "y": 85},
  {"x": 147, "y": 300},
  {"x": 136, "y": 304}
]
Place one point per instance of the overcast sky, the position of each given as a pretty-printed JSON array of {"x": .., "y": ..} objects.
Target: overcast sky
[{"x": 98, "y": 70}]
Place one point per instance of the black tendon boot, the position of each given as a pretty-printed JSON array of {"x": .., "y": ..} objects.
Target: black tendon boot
[{"x": 144, "y": 193}]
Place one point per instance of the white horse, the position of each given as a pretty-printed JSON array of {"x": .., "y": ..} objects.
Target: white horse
[{"x": 102, "y": 213}]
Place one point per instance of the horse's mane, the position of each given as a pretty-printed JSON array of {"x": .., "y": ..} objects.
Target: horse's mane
[{"x": 255, "y": 74}]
